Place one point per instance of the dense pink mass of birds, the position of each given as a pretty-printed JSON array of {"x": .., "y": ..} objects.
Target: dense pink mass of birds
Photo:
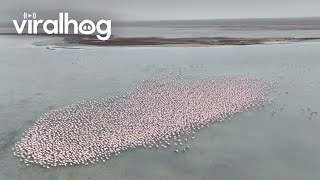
[{"x": 149, "y": 115}]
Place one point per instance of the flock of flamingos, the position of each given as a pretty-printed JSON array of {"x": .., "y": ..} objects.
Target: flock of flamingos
[{"x": 163, "y": 110}]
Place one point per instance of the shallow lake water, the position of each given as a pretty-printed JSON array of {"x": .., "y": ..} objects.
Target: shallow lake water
[{"x": 253, "y": 145}]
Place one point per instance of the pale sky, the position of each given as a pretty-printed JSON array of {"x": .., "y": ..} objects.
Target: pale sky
[{"x": 169, "y": 9}]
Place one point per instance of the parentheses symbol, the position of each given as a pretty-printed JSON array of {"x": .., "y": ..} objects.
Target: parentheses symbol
[{"x": 34, "y": 15}]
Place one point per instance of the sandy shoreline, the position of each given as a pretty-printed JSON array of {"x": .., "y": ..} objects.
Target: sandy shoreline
[
  {"x": 91, "y": 40},
  {"x": 177, "y": 42}
]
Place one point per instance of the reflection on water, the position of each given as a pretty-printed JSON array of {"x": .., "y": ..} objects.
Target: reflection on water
[{"x": 278, "y": 142}]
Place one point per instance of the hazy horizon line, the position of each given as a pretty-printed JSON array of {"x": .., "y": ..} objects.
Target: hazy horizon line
[{"x": 204, "y": 19}]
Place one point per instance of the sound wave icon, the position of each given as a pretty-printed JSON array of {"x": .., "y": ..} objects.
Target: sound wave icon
[{"x": 27, "y": 15}]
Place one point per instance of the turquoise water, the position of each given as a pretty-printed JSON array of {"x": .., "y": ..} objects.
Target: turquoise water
[{"x": 253, "y": 145}]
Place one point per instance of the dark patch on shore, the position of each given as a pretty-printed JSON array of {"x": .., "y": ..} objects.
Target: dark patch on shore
[{"x": 52, "y": 49}]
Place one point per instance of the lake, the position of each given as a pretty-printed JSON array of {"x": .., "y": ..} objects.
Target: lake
[{"x": 254, "y": 145}]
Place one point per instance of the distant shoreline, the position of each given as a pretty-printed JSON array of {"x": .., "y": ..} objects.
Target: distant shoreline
[
  {"x": 75, "y": 40},
  {"x": 194, "y": 41}
]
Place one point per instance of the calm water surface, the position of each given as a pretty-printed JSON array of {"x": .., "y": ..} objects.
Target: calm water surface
[{"x": 254, "y": 145}]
